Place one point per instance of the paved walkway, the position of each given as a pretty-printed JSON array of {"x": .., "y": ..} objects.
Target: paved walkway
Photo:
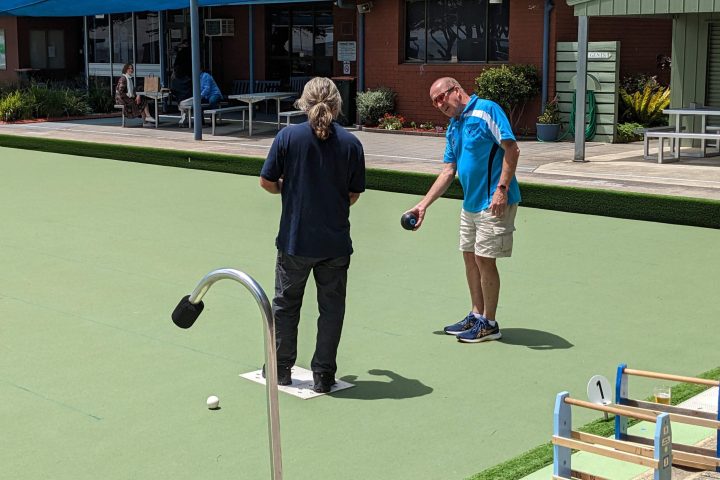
[{"x": 608, "y": 166}]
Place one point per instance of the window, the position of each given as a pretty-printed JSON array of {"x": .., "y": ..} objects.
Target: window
[
  {"x": 147, "y": 38},
  {"x": 47, "y": 49},
  {"x": 3, "y": 63},
  {"x": 122, "y": 38},
  {"x": 300, "y": 40},
  {"x": 98, "y": 39},
  {"x": 451, "y": 31}
]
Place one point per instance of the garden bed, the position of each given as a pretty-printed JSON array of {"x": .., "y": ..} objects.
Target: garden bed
[
  {"x": 91, "y": 116},
  {"x": 406, "y": 131}
]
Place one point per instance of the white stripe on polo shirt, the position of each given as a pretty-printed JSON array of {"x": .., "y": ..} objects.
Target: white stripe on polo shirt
[{"x": 492, "y": 126}]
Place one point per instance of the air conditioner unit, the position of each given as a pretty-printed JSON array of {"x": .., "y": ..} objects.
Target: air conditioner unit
[{"x": 219, "y": 27}]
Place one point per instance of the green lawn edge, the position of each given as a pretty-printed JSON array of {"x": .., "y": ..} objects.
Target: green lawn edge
[
  {"x": 542, "y": 455},
  {"x": 629, "y": 205}
]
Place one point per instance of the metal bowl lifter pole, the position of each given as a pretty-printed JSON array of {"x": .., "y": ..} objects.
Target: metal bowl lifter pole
[{"x": 190, "y": 308}]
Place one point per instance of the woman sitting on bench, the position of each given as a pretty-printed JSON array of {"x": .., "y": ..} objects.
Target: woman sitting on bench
[{"x": 125, "y": 95}]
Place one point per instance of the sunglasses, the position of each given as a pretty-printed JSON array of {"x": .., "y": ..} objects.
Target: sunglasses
[{"x": 440, "y": 98}]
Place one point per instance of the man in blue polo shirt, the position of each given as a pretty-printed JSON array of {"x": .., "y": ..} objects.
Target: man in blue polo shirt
[
  {"x": 319, "y": 168},
  {"x": 481, "y": 149}
]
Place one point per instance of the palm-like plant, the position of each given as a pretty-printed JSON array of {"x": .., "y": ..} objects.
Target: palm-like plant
[{"x": 646, "y": 106}]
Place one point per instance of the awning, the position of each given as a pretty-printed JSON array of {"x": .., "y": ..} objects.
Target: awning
[{"x": 79, "y": 8}]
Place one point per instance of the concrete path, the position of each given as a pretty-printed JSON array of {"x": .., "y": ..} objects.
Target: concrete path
[{"x": 608, "y": 166}]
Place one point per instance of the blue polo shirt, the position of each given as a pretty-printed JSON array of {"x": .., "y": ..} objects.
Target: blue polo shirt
[
  {"x": 318, "y": 176},
  {"x": 473, "y": 143}
]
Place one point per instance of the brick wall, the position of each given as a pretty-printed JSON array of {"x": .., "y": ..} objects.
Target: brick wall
[
  {"x": 642, "y": 39},
  {"x": 384, "y": 38},
  {"x": 9, "y": 24}
]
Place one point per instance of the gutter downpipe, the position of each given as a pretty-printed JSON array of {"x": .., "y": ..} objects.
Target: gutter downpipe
[
  {"x": 251, "y": 53},
  {"x": 163, "y": 62},
  {"x": 195, "y": 49},
  {"x": 360, "y": 59},
  {"x": 86, "y": 55},
  {"x": 546, "y": 54}
]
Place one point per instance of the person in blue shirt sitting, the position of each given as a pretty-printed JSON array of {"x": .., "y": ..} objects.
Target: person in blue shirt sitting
[
  {"x": 481, "y": 149},
  {"x": 209, "y": 93},
  {"x": 319, "y": 170}
]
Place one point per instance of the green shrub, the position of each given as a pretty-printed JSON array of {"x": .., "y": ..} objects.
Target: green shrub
[
  {"x": 373, "y": 104},
  {"x": 13, "y": 107},
  {"x": 626, "y": 132},
  {"x": 646, "y": 106},
  {"x": 510, "y": 86},
  {"x": 44, "y": 102},
  {"x": 100, "y": 99},
  {"x": 76, "y": 103}
]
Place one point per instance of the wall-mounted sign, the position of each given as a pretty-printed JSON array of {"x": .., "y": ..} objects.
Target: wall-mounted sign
[
  {"x": 346, "y": 68},
  {"x": 346, "y": 51},
  {"x": 599, "y": 55}
]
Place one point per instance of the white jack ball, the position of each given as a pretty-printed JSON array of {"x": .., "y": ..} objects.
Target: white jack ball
[{"x": 213, "y": 402}]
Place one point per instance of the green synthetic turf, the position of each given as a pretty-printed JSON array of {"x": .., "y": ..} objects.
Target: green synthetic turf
[
  {"x": 637, "y": 206},
  {"x": 96, "y": 382}
]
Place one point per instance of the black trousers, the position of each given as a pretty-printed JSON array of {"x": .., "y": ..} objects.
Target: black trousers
[{"x": 291, "y": 275}]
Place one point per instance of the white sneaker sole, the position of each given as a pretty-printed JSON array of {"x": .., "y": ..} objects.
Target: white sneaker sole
[{"x": 486, "y": 338}]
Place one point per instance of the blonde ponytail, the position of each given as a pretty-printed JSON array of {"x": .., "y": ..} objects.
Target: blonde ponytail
[{"x": 322, "y": 103}]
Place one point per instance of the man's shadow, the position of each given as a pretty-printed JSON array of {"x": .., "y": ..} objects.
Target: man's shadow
[
  {"x": 530, "y": 338},
  {"x": 398, "y": 387},
  {"x": 534, "y": 339}
]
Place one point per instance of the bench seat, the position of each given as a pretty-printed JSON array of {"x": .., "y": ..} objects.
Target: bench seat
[
  {"x": 216, "y": 114},
  {"x": 672, "y": 136},
  {"x": 122, "y": 111},
  {"x": 288, "y": 115},
  {"x": 646, "y": 141}
]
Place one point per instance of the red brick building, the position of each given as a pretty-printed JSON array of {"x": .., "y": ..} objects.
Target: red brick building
[{"x": 408, "y": 43}]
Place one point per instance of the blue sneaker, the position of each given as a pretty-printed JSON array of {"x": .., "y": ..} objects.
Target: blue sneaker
[
  {"x": 463, "y": 325},
  {"x": 481, "y": 332}
]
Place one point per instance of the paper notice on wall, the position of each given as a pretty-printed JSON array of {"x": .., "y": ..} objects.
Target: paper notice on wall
[{"x": 51, "y": 51}]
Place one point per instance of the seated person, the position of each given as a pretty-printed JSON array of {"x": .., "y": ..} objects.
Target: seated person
[
  {"x": 181, "y": 87},
  {"x": 209, "y": 93},
  {"x": 135, "y": 105}
]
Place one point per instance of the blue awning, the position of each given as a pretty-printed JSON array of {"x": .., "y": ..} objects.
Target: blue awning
[{"x": 78, "y": 8}]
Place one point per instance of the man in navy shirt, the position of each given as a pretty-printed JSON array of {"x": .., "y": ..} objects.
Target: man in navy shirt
[
  {"x": 319, "y": 170},
  {"x": 481, "y": 149}
]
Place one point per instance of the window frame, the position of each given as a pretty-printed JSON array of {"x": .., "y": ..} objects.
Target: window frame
[{"x": 425, "y": 61}]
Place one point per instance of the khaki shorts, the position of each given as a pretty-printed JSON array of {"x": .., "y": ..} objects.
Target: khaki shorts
[{"x": 487, "y": 235}]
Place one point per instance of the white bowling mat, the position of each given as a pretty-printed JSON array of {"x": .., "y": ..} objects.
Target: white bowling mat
[{"x": 302, "y": 383}]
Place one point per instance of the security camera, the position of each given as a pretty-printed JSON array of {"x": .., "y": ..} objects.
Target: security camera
[{"x": 364, "y": 7}]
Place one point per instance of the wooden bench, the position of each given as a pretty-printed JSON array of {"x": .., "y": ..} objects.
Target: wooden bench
[
  {"x": 672, "y": 136},
  {"x": 685, "y": 455},
  {"x": 288, "y": 115},
  {"x": 659, "y": 456},
  {"x": 216, "y": 114}
]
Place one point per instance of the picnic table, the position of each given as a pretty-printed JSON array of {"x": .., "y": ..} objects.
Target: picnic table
[
  {"x": 704, "y": 135},
  {"x": 253, "y": 98}
]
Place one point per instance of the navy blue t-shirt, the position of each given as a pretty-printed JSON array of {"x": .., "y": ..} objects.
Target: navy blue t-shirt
[{"x": 318, "y": 176}]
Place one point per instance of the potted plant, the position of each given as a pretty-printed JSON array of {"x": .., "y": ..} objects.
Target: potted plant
[{"x": 548, "y": 124}]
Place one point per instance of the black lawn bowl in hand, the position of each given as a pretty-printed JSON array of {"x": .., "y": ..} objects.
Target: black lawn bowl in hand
[{"x": 408, "y": 221}]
